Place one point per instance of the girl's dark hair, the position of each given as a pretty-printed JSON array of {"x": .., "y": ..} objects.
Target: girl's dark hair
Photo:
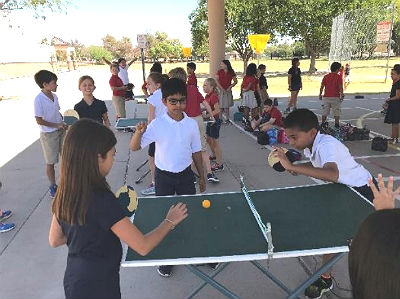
[
  {"x": 294, "y": 61},
  {"x": 173, "y": 86},
  {"x": 374, "y": 259},
  {"x": 301, "y": 119},
  {"x": 158, "y": 78},
  {"x": 156, "y": 68},
  {"x": 251, "y": 69},
  {"x": 44, "y": 76},
  {"x": 229, "y": 66},
  {"x": 79, "y": 169}
]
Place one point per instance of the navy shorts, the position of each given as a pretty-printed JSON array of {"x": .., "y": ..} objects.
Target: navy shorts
[
  {"x": 366, "y": 190},
  {"x": 169, "y": 183},
  {"x": 212, "y": 129},
  {"x": 152, "y": 149}
]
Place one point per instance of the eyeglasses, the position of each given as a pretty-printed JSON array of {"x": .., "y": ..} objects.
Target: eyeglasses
[{"x": 173, "y": 101}]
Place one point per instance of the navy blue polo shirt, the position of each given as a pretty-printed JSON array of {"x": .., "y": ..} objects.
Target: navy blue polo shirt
[
  {"x": 94, "y": 251},
  {"x": 94, "y": 111}
]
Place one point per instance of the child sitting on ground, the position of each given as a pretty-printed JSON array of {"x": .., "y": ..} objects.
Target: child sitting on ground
[
  {"x": 89, "y": 106},
  {"x": 271, "y": 117}
]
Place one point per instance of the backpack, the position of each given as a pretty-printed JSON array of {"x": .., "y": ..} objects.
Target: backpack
[
  {"x": 262, "y": 138},
  {"x": 379, "y": 144}
]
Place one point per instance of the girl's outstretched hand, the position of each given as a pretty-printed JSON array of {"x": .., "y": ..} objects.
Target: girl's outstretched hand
[
  {"x": 177, "y": 213},
  {"x": 385, "y": 197}
]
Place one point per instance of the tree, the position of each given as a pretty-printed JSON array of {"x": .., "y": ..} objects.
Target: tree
[
  {"x": 98, "y": 52},
  {"x": 396, "y": 38},
  {"x": 119, "y": 48},
  {"x": 39, "y": 6},
  {"x": 199, "y": 30},
  {"x": 160, "y": 46}
]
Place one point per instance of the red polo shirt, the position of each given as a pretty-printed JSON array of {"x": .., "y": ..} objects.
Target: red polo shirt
[
  {"x": 116, "y": 81},
  {"x": 225, "y": 78},
  {"x": 192, "y": 80},
  {"x": 212, "y": 99},
  {"x": 332, "y": 83},
  {"x": 193, "y": 101}
]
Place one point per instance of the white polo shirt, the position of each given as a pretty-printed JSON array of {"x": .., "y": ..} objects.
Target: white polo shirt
[
  {"x": 156, "y": 101},
  {"x": 123, "y": 74},
  {"x": 176, "y": 141},
  {"x": 48, "y": 110},
  {"x": 328, "y": 149}
]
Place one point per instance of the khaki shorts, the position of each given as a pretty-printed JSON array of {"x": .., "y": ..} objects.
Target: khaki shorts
[
  {"x": 119, "y": 106},
  {"x": 202, "y": 129},
  {"x": 331, "y": 102},
  {"x": 52, "y": 145}
]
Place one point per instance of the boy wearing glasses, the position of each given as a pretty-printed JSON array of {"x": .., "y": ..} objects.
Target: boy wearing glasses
[{"x": 178, "y": 142}]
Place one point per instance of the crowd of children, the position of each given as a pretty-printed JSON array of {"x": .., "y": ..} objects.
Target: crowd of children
[{"x": 180, "y": 142}]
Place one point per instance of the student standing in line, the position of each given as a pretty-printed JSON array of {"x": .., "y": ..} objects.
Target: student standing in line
[
  {"x": 226, "y": 80},
  {"x": 295, "y": 84}
]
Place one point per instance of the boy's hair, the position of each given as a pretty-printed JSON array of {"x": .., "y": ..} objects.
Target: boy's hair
[
  {"x": 213, "y": 84},
  {"x": 301, "y": 119},
  {"x": 156, "y": 68},
  {"x": 262, "y": 67},
  {"x": 44, "y": 76},
  {"x": 114, "y": 65},
  {"x": 251, "y": 69},
  {"x": 294, "y": 61},
  {"x": 121, "y": 59},
  {"x": 179, "y": 73},
  {"x": 396, "y": 69},
  {"x": 158, "y": 78},
  {"x": 191, "y": 65},
  {"x": 83, "y": 78},
  {"x": 80, "y": 175},
  {"x": 335, "y": 66},
  {"x": 268, "y": 102},
  {"x": 173, "y": 86},
  {"x": 374, "y": 264}
]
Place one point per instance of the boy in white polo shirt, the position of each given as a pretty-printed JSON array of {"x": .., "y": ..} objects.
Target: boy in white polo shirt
[
  {"x": 178, "y": 142},
  {"x": 50, "y": 121},
  {"x": 330, "y": 161}
]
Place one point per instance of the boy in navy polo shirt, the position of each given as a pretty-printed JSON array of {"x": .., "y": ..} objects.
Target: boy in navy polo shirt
[
  {"x": 89, "y": 106},
  {"x": 330, "y": 160},
  {"x": 177, "y": 141},
  {"x": 333, "y": 95}
]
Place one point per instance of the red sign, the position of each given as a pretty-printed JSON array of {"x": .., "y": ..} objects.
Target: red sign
[{"x": 383, "y": 32}]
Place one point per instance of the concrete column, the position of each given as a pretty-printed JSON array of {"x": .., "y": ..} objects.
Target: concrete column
[{"x": 216, "y": 29}]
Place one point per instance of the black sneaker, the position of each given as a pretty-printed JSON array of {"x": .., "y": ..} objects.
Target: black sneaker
[
  {"x": 164, "y": 271},
  {"x": 318, "y": 288},
  {"x": 213, "y": 266},
  {"x": 217, "y": 167},
  {"x": 211, "y": 178}
]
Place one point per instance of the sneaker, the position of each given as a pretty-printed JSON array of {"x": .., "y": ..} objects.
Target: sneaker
[
  {"x": 213, "y": 266},
  {"x": 5, "y": 215},
  {"x": 318, "y": 288},
  {"x": 211, "y": 178},
  {"x": 53, "y": 190},
  {"x": 393, "y": 140},
  {"x": 212, "y": 158},
  {"x": 164, "y": 271},
  {"x": 5, "y": 227},
  {"x": 217, "y": 167},
  {"x": 151, "y": 190}
]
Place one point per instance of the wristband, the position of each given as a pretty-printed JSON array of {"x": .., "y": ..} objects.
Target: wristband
[{"x": 172, "y": 224}]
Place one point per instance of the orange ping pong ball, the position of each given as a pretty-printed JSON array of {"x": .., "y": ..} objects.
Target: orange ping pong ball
[{"x": 206, "y": 203}]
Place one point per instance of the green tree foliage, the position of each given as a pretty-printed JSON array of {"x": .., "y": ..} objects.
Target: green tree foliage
[
  {"x": 199, "y": 30},
  {"x": 98, "y": 52},
  {"x": 396, "y": 38},
  {"x": 39, "y": 6},
  {"x": 160, "y": 46},
  {"x": 119, "y": 48}
]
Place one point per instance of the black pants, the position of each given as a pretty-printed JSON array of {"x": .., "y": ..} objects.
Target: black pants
[
  {"x": 170, "y": 183},
  {"x": 366, "y": 190}
]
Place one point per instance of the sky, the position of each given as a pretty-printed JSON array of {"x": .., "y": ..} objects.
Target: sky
[{"x": 90, "y": 20}]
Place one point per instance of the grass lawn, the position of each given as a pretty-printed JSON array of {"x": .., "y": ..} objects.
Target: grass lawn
[{"x": 367, "y": 76}]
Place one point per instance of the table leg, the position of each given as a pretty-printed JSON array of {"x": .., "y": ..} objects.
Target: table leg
[
  {"x": 316, "y": 274},
  {"x": 212, "y": 282},
  {"x": 215, "y": 273}
]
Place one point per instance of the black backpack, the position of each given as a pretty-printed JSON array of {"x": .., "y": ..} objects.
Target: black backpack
[
  {"x": 379, "y": 144},
  {"x": 263, "y": 138}
]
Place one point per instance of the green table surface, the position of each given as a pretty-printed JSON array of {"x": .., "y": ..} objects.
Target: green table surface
[
  {"x": 129, "y": 122},
  {"x": 302, "y": 218}
]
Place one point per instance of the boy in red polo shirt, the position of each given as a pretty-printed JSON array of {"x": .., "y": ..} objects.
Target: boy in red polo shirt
[
  {"x": 191, "y": 68},
  {"x": 333, "y": 96},
  {"x": 271, "y": 117}
]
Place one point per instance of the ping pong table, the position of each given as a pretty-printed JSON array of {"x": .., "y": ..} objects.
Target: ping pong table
[
  {"x": 300, "y": 221},
  {"x": 128, "y": 123}
]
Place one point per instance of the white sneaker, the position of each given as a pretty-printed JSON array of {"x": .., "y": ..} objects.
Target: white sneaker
[{"x": 151, "y": 190}]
